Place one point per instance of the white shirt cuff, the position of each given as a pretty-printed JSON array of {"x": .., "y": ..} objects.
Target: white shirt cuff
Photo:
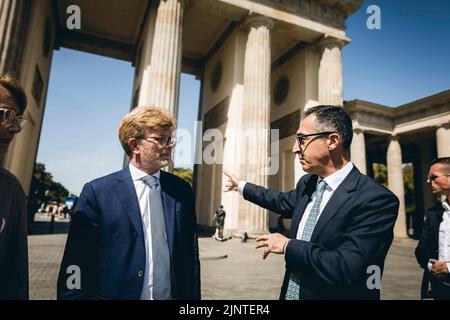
[
  {"x": 429, "y": 266},
  {"x": 241, "y": 186}
]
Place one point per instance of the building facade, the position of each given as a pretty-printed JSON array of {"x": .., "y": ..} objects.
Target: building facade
[{"x": 261, "y": 64}]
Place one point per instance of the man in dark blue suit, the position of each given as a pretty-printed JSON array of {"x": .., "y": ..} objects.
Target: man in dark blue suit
[
  {"x": 342, "y": 221},
  {"x": 133, "y": 233}
]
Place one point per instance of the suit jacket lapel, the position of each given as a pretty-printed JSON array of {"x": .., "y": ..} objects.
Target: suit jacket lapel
[
  {"x": 169, "y": 210},
  {"x": 337, "y": 200},
  {"x": 308, "y": 190},
  {"x": 126, "y": 192}
]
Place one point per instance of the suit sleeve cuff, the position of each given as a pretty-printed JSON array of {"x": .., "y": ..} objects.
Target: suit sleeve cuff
[
  {"x": 241, "y": 186},
  {"x": 429, "y": 266}
]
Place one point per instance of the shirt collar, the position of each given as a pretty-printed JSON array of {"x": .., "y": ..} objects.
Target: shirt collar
[
  {"x": 334, "y": 180},
  {"x": 137, "y": 174},
  {"x": 446, "y": 207}
]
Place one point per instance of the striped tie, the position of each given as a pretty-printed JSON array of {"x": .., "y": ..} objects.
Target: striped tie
[{"x": 293, "y": 289}]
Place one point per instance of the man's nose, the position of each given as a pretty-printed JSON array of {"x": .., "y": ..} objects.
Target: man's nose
[
  {"x": 295, "y": 148},
  {"x": 14, "y": 128}
]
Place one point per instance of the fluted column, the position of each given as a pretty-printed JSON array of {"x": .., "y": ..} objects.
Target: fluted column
[
  {"x": 166, "y": 55},
  {"x": 426, "y": 157},
  {"x": 358, "y": 150},
  {"x": 443, "y": 140},
  {"x": 14, "y": 16},
  {"x": 330, "y": 71},
  {"x": 256, "y": 121},
  {"x": 395, "y": 181}
]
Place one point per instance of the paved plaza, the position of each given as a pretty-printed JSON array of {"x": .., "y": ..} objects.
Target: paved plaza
[{"x": 230, "y": 270}]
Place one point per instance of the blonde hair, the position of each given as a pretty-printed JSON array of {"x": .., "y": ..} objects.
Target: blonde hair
[
  {"x": 12, "y": 85},
  {"x": 139, "y": 120}
]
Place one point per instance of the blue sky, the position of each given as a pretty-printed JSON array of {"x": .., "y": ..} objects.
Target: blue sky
[{"x": 407, "y": 59}]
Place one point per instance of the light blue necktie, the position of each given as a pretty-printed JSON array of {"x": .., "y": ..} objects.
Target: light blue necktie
[
  {"x": 293, "y": 289},
  {"x": 160, "y": 247}
]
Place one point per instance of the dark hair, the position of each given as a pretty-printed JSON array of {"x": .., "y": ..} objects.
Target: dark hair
[
  {"x": 13, "y": 86},
  {"x": 333, "y": 118},
  {"x": 443, "y": 160}
]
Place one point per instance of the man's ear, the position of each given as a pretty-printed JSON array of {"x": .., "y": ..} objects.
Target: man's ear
[
  {"x": 334, "y": 140},
  {"x": 133, "y": 144}
]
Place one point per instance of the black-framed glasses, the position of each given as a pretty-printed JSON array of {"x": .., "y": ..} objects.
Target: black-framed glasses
[
  {"x": 9, "y": 118},
  {"x": 434, "y": 177},
  {"x": 301, "y": 137},
  {"x": 163, "y": 140}
]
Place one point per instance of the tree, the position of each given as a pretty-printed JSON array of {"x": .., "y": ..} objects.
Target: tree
[
  {"x": 43, "y": 190},
  {"x": 184, "y": 173}
]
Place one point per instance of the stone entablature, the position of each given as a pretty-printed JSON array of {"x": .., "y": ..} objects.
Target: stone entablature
[
  {"x": 432, "y": 111},
  {"x": 319, "y": 11}
]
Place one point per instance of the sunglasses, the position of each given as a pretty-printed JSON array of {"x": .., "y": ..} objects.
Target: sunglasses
[
  {"x": 434, "y": 177},
  {"x": 9, "y": 118}
]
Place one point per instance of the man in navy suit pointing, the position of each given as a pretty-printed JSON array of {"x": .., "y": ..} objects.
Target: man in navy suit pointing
[
  {"x": 133, "y": 233},
  {"x": 342, "y": 221}
]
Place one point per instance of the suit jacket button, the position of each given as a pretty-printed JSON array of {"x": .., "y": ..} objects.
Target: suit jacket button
[{"x": 140, "y": 273}]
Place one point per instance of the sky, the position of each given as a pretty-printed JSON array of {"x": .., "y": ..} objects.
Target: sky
[{"x": 407, "y": 59}]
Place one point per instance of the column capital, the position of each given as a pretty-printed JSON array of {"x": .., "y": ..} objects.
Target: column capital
[
  {"x": 394, "y": 137},
  {"x": 256, "y": 20},
  {"x": 328, "y": 41},
  {"x": 358, "y": 130},
  {"x": 444, "y": 125}
]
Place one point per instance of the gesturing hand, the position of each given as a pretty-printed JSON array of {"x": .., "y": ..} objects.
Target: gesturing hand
[
  {"x": 439, "y": 269},
  {"x": 232, "y": 182},
  {"x": 273, "y": 243}
]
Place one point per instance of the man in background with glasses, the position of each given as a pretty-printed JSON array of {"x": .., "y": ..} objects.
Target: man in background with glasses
[
  {"x": 13, "y": 215},
  {"x": 133, "y": 233},
  {"x": 342, "y": 221},
  {"x": 433, "y": 250}
]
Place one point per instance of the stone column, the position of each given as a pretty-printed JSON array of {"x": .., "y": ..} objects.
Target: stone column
[
  {"x": 14, "y": 16},
  {"x": 443, "y": 140},
  {"x": 166, "y": 55},
  {"x": 426, "y": 156},
  {"x": 256, "y": 119},
  {"x": 395, "y": 181},
  {"x": 358, "y": 150},
  {"x": 330, "y": 71}
]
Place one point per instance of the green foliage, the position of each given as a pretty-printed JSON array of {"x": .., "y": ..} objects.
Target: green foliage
[
  {"x": 380, "y": 173},
  {"x": 381, "y": 176},
  {"x": 184, "y": 173},
  {"x": 44, "y": 189}
]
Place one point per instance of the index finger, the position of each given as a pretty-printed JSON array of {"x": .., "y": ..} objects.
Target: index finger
[{"x": 229, "y": 175}]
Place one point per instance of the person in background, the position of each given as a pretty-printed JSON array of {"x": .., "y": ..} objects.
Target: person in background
[
  {"x": 13, "y": 213},
  {"x": 433, "y": 249}
]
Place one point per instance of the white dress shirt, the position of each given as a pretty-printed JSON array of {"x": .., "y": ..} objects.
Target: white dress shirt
[
  {"x": 444, "y": 238},
  {"x": 142, "y": 192},
  {"x": 333, "y": 181}
]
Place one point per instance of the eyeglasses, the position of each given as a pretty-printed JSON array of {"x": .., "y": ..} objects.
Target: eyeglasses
[
  {"x": 434, "y": 177},
  {"x": 163, "y": 140},
  {"x": 9, "y": 118},
  {"x": 301, "y": 137}
]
